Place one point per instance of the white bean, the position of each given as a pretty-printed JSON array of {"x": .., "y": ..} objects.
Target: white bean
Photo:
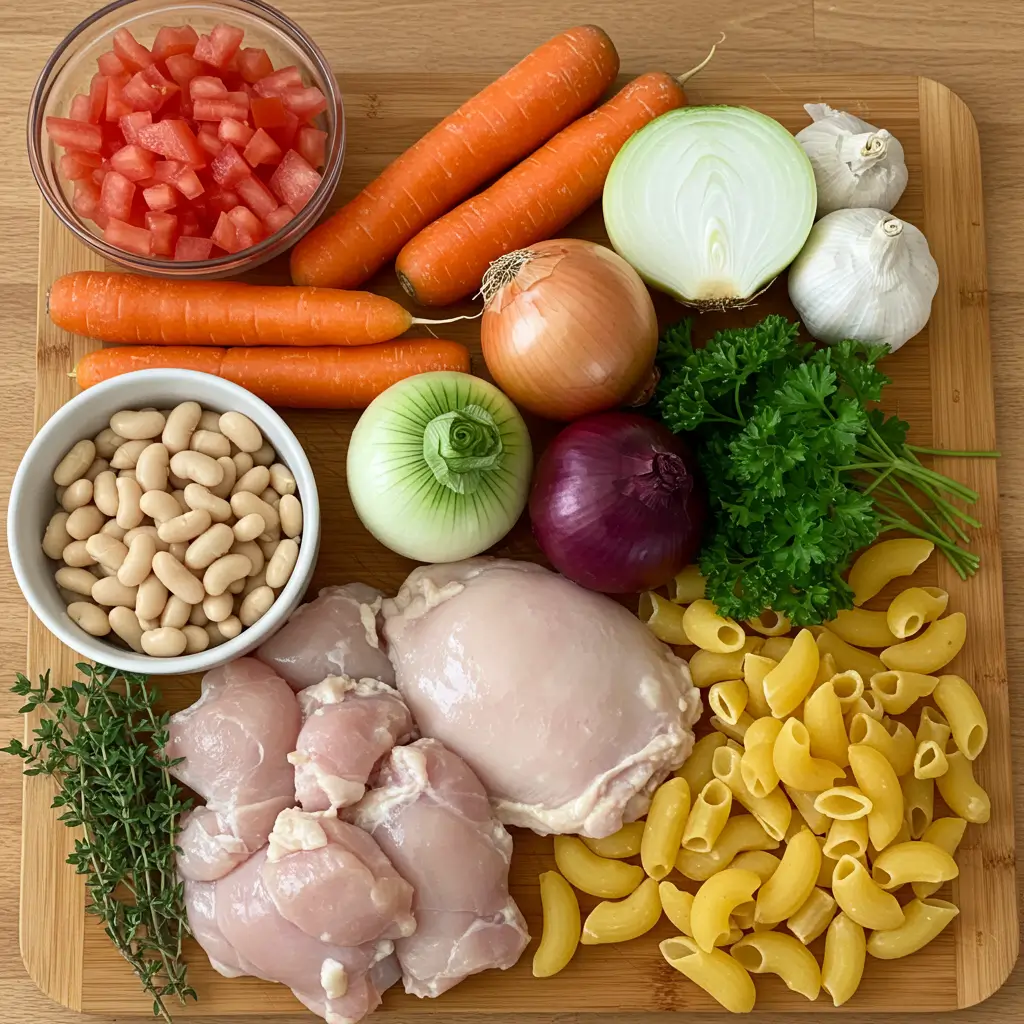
[
  {"x": 198, "y": 617},
  {"x": 251, "y": 551},
  {"x": 175, "y": 613},
  {"x": 217, "y": 608},
  {"x": 179, "y": 497},
  {"x": 186, "y": 526},
  {"x": 129, "y": 494},
  {"x": 264, "y": 455},
  {"x": 159, "y": 506},
  {"x": 104, "y": 493},
  {"x": 111, "y": 529},
  {"x": 107, "y": 442},
  {"x": 178, "y": 549},
  {"x": 84, "y": 522},
  {"x": 108, "y": 551},
  {"x": 69, "y": 596},
  {"x": 255, "y": 605},
  {"x": 209, "y": 420},
  {"x": 75, "y": 464},
  {"x": 268, "y": 547},
  {"x": 98, "y": 466},
  {"x": 238, "y": 428},
  {"x": 78, "y": 581},
  {"x": 138, "y": 563},
  {"x": 128, "y": 454},
  {"x": 249, "y": 528},
  {"x": 216, "y": 637},
  {"x": 151, "y": 598},
  {"x": 90, "y": 618},
  {"x": 244, "y": 503},
  {"x": 237, "y": 587},
  {"x": 125, "y": 624},
  {"x": 137, "y": 426},
  {"x": 149, "y": 531},
  {"x": 198, "y": 467},
  {"x": 243, "y": 463},
  {"x": 222, "y": 573},
  {"x": 290, "y": 511},
  {"x": 76, "y": 554},
  {"x": 111, "y": 591},
  {"x": 164, "y": 642},
  {"x": 56, "y": 538},
  {"x": 177, "y": 483},
  {"x": 230, "y": 627},
  {"x": 223, "y": 489},
  {"x": 209, "y": 546},
  {"x": 256, "y": 480},
  {"x": 210, "y": 442},
  {"x": 152, "y": 469},
  {"x": 181, "y": 422},
  {"x": 255, "y": 582},
  {"x": 271, "y": 497},
  {"x": 197, "y": 496},
  {"x": 281, "y": 564},
  {"x": 76, "y": 495},
  {"x": 148, "y": 624},
  {"x": 281, "y": 479},
  {"x": 196, "y": 639},
  {"x": 59, "y": 493},
  {"x": 177, "y": 578}
]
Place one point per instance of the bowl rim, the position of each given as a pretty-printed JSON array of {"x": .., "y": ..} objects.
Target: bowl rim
[
  {"x": 230, "y": 263},
  {"x": 95, "y": 648}
]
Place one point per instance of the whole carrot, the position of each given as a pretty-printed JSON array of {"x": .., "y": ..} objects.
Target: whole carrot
[
  {"x": 297, "y": 378},
  {"x": 543, "y": 93},
  {"x": 132, "y": 309}
]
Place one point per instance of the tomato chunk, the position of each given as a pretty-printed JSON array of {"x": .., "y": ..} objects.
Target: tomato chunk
[
  {"x": 209, "y": 140},
  {"x": 131, "y": 123},
  {"x": 254, "y": 64},
  {"x": 193, "y": 248},
  {"x": 278, "y": 82},
  {"x": 257, "y": 196},
  {"x": 74, "y": 168},
  {"x": 294, "y": 181},
  {"x": 116, "y": 194},
  {"x": 110, "y": 64},
  {"x": 162, "y": 227},
  {"x": 171, "y": 40},
  {"x": 72, "y": 134},
  {"x": 222, "y": 200},
  {"x": 160, "y": 197},
  {"x": 133, "y": 55},
  {"x": 225, "y": 234},
  {"x": 277, "y": 219},
  {"x": 97, "y": 98},
  {"x": 262, "y": 149},
  {"x": 218, "y": 109},
  {"x": 311, "y": 145},
  {"x": 168, "y": 170},
  {"x": 117, "y": 106},
  {"x": 236, "y": 132},
  {"x": 128, "y": 237},
  {"x": 183, "y": 68},
  {"x": 80, "y": 108},
  {"x": 173, "y": 139},
  {"x": 206, "y": 87},
  {"x": 305, "y": 103},
  {"x": 86, "y": 200},
  {"x": 134, "y": 162},
  {"x": 187, "y": 182},
  {"x": 228, "y": 167},
  {"x": 141, "y": 95},
  {"x": 268, "y": 112},
  {"x": 219, "y": 46},
  {"x": 285, "y": 135},
  {"x": 248, "y": 228}
]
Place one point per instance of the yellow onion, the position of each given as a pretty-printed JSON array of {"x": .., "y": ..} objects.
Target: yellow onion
[{"x": 568, "y": 329}]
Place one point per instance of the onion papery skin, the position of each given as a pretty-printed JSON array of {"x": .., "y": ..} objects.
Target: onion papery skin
[
  {"x": 618, "y": 504},
  {"x": 574, "y": 331}
]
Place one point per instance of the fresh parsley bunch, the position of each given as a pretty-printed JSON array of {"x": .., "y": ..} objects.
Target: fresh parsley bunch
[{"x": 802, "y": 468}]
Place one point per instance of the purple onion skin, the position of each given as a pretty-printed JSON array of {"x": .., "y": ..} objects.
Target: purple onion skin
[{"x": 618, "y": 504}]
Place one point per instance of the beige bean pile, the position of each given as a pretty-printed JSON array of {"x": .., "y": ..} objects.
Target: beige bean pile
[{"x": 177, "y": 529}]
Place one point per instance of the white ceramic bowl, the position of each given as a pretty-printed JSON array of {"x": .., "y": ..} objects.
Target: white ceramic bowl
[{"x": 33, "y": 502}]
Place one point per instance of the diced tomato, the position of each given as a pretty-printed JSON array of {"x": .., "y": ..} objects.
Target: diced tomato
[
  {"x": 134, "y": 162},
  {"x": 239, "y": 96},
  {"x": 164, "y": 86},
  {"x": 86, "y": 201},
  {"x": 80, "y": 108},
  {"x": 191, "y": 248},
  {"x": 100, "y": 173},
  {"x": 141, "y": 95},
  {"x": 285, "y": 135},
  {"x": 163, "y": 227},
  {"x": 168, "y": 170},
  {"x": 254, "y": 64},
  {"x": 262, "y": 149},
  {"x": 219, "y": 46},
  {"x": 268, "y": 112},
  {"x": 257, "y": 196},
  {"x": 236, "y": 132},
  {"x": 133, "y": 55},
  {"x": 311, "y": 145},
  {"x": 206, "y": 87},
  {"x": 113, "y": 139},
  {"x": 171, "y": 40},
  {"x": 275, "y": 84},
  {"x": 173, "y": 139},
  {"x": 97, "y": 98},
  {"x": 223, "y": 199},
  {"x": 276, "y": 219},
  {"x": 161, "y": 197},
  {"x": 188, "y": 222},
  {"x": 225, "y": 234},
  {"x": 72, "y": 134},
  {"x": 110, "y": 64},
  {"x": 248, "y": 228},
  {"x": 75, "y": 169},
  {"x": 131, "y": 123},
  {"x": 228, "y": 167},
  {"x": 183, "y": 68},
  {"x": 208, "y": 139},
  {"x": 117, "y": 106},
  {"x": 294, "y": 181},
  {"x": 128, "y": 237},
  {"x": 218, "y": 109},
  {"x": 187, "y": 182},
  {"x": 305, "y": 103},
  {"x": 116, "y": 194}
]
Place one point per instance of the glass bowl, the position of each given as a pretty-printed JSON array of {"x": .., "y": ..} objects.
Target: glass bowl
[{"x": 73, "y": 63}]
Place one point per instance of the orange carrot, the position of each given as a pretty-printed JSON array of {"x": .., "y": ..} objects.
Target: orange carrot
[
  {"x": 501, "y": 124},
  {"x": 535, "y": 200},
  {"x": 297, "y": 378},
  {"x": 132, "y": 309}
]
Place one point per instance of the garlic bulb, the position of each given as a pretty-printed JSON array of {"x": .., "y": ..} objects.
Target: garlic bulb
[
  {"x": 855, "y": 164},
  {"x": 866, "y": 275}
]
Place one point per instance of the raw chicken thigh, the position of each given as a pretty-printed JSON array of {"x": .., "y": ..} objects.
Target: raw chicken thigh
[
  {"x": 431, "y": 816},
  {"x": 235, "y": 742},
  {"x": 565, "y": 705},
  {"x": 348, "y": 727},
  {"x": 335, "y": 635}
]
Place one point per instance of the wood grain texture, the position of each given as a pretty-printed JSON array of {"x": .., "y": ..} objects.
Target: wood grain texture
[{"x": 971, "y": 47}]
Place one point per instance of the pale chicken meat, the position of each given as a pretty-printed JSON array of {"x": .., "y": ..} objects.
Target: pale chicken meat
[
  {"x": 348, "y": 726},
  {"x": 563, "y": 703},
  {"x": 234, "y": 742},
  {"x": 335, "y": 635},
  {"x": 432, "y": 818}
]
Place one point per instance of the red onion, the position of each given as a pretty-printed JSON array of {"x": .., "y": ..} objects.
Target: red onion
[{"x": 617, "y": 503}]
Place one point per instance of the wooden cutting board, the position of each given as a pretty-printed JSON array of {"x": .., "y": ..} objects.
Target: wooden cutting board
[{"x": 942, "y": 385}]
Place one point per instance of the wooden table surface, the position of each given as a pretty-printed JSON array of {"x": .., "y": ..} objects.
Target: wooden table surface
[{"x": 973, "y": 46}]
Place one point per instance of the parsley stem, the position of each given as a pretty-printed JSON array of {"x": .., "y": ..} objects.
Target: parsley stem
[{"x": 952, "y": 451}]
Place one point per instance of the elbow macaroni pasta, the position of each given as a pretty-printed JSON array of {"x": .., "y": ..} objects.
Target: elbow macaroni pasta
[
  {"x": 795, "y": 765},
  {"x": 677, "y": 904},
  {"x": 918, "y": 804},
  {"x": 775, "y": 647},
  {"x": 964, "y": 713},
  {"x": 847, "y": 837},
  {"x": 878, "y": 782},
  {"x": 598, "y": 876},
  {"x": 897, "y": 691},
  {"x": 804, "y": 802},
  {"x": 915, "y": 608},
  {"x": 707, "y": 667},
  {"x": 755, "y": 668},
  {"x": 740, "y": 834},
  {"x": 884, "y": 562},
  {"x": 663, "y": 833},
  {"x": 924, "y": 920},
  {"x": 714, "y": 903},
  {"x": 687, "y": 585},
  {"x": 780, "y": 954},
  {"x": 823, "y": 718},
  {"x": 946, "y": 833},
  {"x": 773, "y": 811},
  {"x": 625, "y": 919},
  {"x": 914, "y": 861},
  {"x": 778, "y": 624},
  {"x": 619, "y": 845},
  {"x": 697, "y": 769},
  {"x": 843, "y": 803},
  {"x": 663, "y": 618},
  {"x": 786, "y": 685},
  {"x": 561, "y": 929},
  {"x": 761, "y": 862},
  {"x": 849, "y": 687},
  {"x": 717, "y": 973},
  {"x": 861, "y": 898},
  {"x": 961, "y": 791},
  {"x": 862, "y": 628},
  {"x": 707, "y": 817},
  {"x": 930, "y": 760},
  {"x": 728, "y": 700},
  {"x": 708, "y": 630},
  {"x": 791, "y": 883},
  {"x": 735, "y": 731},
  {"x": 813, "y": 917},
  {"x": 847, "y": 657},
  {"x": 757, "y": 764},
  {"x": 843, "y": 964},
  {"x": 935, "y": 648}
]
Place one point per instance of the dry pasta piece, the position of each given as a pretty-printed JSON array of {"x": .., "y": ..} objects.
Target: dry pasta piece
[
  {"x": 757, "y": 764},
  {"x": 846, "y": 656},
  {"x": 761, "y": 862},
  {"x": 813, "y": 917},
  {"x": 755, "y": 668},
  {"x": 924, "y": 919},
  {"x": 717, "y": 973},
  {"x": 849, "y": 687},
  {"x": 773, "y": 811},
  {"x": 805, "y": 802},
  {"x": 728, "y": 700},
  {"x": 826, "y": 670},
  {"x": 946, "y": 833},
  {"x": 961, "y": 791},
  {"x": 959, "y": 703},
  {"x": 847, "y": 837},
  {"x": 897, "y": 746},
  {"x": 715, "y": 901},
  {"x": 741, "y": 833},
  {"x": 561, "y": 928},
  {"x": 932, "y": 726},
  {"x": 770, "y": 623},
  {"x": 663, "y": 833},
  {"x": 929, "y": 761},
  {"x": 877, "y": 780},
  {"x": 710, "y": 631},
  {"x": 843, "y": 803},
  {"x": 862, "y": 628},
  {"x": 843, "y": 964},
  {"x": 898, "y": 691},
  {"x": 935, "y": 648},
  {"x": 783, "y": 955},
  {"x": 707, "y": 667},
  {"x": 885, "y": 561},
  {"x": 918, "y": 804},
  {"x": 663, "y": 618},
  {"x": 861, "y": 898},
  {"x": 623, "y": 920},
  {"x": 794, "y": 763},
  {"x": 786, "y": 685},
  {"x": 785, "y": 892},
  {"x": 708, "y": 816},
  {"x": 775, "y": 647},
  {"x": 914, "y": 861},
  {"x": 914, "y": 608},
  {"x": 619, "y": 845},
  {"x": 823, "y": 717},
  {"x": 697, "y": 767},
  {"x": 735, "y": 731},
  {"x": 687, "y": 585},
  {"x": 677, "y": 904},
  {"x": 599, "y": 876}
]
